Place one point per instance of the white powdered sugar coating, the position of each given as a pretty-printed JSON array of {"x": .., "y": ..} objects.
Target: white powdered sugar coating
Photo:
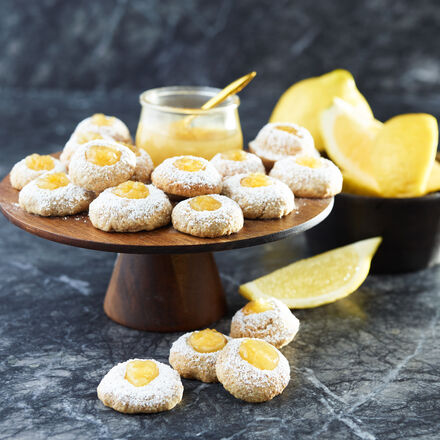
[
  {"x": 274, "y": 144},
  {"x": 325, "y": 181},
  {"x": 273, "y": 201},
  {"x": 65, "y": 200},
  {"x": 144, "y": 167},
  {"x": 173, "y": 180},
  {"x": 117, "y": 130},
  {"x": 228, "y": 167},
  {"x": 97, "y": 178},
  {"x": 277, "y": 326},
  {"x": 162, "y": 393},
  {"x": 21, "y": 174},
  {"x": 110, "y": 212},
  {"x": 247, "y": 382},
  {"x": 223, "y": 221}
]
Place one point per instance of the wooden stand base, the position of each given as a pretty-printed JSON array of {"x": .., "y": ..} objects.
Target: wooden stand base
[{"x": 165, "y": 292}]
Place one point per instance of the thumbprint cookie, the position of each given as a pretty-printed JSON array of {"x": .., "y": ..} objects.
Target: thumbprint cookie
[
  {"x": 31, "y": 167},
  {"x": 259, "y": 196},
  {"x": 267, "y": 319},
  {"x": 101, "y": 164},
  {"x": 53, "y": 194},
  {"x": 237, "y": 162},
  {"x": 130, "y": 207},
  {"x": 309, "y": 176},
  {"x": 194, "y": 354},
  {"x": 144, "y": 164},
  {"x": 105, "y": 125},
  {"x": 187, "y": 176},
  {"x": 141, "y": 386},
  {"x": 207, "y": 216},
  {"x": 252, "y": 370},
  {"x": 278, "y": 140}
]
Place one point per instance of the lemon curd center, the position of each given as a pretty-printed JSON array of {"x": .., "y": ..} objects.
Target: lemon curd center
[
  {"x": 255, "y": 180},
  {"x": 288, "y": 129},
  {"x": 188, "y": 164},
  {"x": 102, "y": 120},
  {"x": 207, "y": 341},
  {"x": 102, "y": 156},
  {"x": 141, "y": 373},
  {"x": 39, "y": 163},
  {"x": 87, "y": 136},
  {"x": 53, "y": 181},
  {"x": 132, "y": 190},
  {"x": 236, "y": 155},
  {"x": 257, "y": 306},
  {"x": 205, "y": 203},
  {"x": 308, "y": 161},
  {"x": 259, "y": 353}
]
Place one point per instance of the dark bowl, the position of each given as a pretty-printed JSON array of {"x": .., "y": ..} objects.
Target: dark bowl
[{"x": 410, "y": 229}]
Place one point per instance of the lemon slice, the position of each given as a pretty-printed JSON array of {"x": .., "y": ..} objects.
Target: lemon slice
[
  {"x": 434, "y": 178},
  {"x": 318, "y": 280}
]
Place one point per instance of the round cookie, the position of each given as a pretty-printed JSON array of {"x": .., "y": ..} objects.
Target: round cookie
[
  {"x": 308, "y": 176},
  {"x": 237, "y": 162},
  {"x": 187, "y": 176},
  {"x": 259, "y": 196},
  {"x": 31, "y": 167},
  {"x": 252, "y": 370},
  {"x": 140, "y": 386},
  {"x": 109, "y": 126},
  {"x": 53, "y": 194},
  {"x": 194, "y": 354},
  {"x": 269, "y": 319},
  {"x": 101, "y": 164},
  {"x": 130, "y": 207},
  {"x": 144, "y": 164},
  {"x": 277, "y": 140},
  {"x": 207, "y": 216}
]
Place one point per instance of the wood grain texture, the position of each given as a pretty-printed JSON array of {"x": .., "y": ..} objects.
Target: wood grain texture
[{"x": 77, "y": 230}]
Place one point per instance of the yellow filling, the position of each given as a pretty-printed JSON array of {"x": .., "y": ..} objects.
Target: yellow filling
[
  {"x": 236, "y": 155},
  {"x": 39, "y": 163},
  {"x": 308, "y": 161},
  {"x": 87, "y": 136},
  {"x": 188, "y": 164},
  {"x": 102, "y": 120},
  {"x": 53, "y": 181},
  {"x": 141, "y": 373},
  {"x": 288, "y": 129},
  {"x": 259, "y": 353},
  {"x": 257, "y": 306},
  {"x": 205, "y": 203},
  {"x": 102, "y": 156},
  {"x": 255, "y": 180},
  {"x": 132, "y": 190},
  {"x": 207, "y": 341}
]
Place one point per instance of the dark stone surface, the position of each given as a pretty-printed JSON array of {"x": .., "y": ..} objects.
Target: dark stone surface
[{"x": 363, "y": 368}]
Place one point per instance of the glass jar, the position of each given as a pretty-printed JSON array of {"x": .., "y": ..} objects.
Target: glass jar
[{"x": 172, "y": 123}]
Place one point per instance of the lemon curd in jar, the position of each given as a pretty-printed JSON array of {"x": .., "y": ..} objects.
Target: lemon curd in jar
[{"x": 171, "y": 123}]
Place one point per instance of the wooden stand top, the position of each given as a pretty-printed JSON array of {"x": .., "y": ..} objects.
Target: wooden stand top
[{"x": 77, "y": 230}]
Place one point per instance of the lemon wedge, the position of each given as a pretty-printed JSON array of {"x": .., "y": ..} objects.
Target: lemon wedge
[
  {"x": 318, "y": 280},
  {"x": 304, "y": 101},
  {"x": 433, "y": 184}
]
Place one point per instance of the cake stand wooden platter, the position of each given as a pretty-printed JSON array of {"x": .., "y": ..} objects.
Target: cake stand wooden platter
[{"x": 163, "y": 280}]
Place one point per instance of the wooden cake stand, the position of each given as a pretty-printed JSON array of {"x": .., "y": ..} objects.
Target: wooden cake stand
[{"x": 163, "y": 280}]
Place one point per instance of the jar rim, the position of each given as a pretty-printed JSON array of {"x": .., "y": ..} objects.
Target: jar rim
[{"x": 145, "y": 99}]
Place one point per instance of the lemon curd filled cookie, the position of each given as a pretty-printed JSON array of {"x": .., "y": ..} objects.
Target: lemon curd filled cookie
[
  {"x": 101, "y": 164},
  {"x": 53, "y": 194},
  {"x": 268, "y": 319},
  {"x": 130, "y": 207},
  {"x": 187, "y": 176},
  {"x": 309, "y": 176},
  {"x": 144, "y": 164},
  {"x": 259, "y": 196},
  {"x": 237, "y": 162},
  {"x": 207, "y": 216},
  {"x": 278, "y": 140},
  {"x": 194, "y": 354},
  {"x": 31, "y": 167},
  {"x": 105, "y": 125},
  {"x": 252, "y": 370},
  {"x": 141, "y": 386}
]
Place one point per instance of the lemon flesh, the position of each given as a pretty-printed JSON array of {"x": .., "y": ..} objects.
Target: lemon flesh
[
  {"x": 433, "y": 184},
  {"x": 318, "y": 280},
  {"x": 304, "y": 101}
]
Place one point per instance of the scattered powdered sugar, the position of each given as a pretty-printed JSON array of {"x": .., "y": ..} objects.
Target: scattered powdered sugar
[{"x": 228, "y": 167}]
